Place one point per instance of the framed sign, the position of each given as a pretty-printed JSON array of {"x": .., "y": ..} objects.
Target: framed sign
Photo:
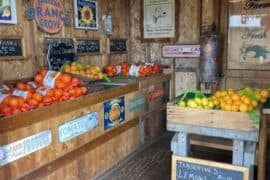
[
  {"x": 185, "y": 168},
  {"x": 88, "y": 46},
  {"x": 248, "y": 35},
  {"x": 159, "y": 20},
  {"x": 12, "y": 47},
  {"x": 86, "y": 15},
  {"x": 8, "y": 14},
  {"x": 118, "y": 46}
]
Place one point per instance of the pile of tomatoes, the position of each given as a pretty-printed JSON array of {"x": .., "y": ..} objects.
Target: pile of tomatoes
[
  {"x": 24, "y": 96},
  {"x": 138, "y": 70}
]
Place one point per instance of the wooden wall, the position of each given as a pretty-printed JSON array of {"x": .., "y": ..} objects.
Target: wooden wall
[{"x": 34, "y": 38}]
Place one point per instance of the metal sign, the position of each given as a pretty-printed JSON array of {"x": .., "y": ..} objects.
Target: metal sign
[
  {"x": 23, "y": 147},
  {"x": 174, "y": 51},
  {"x": 136, "y": 103},
  {"x": 77, "y": 127}
]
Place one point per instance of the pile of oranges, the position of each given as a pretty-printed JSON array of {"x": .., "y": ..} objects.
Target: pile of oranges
[
  {"x": 25, "y": 96},
  {"x": 243, "y": 101}
]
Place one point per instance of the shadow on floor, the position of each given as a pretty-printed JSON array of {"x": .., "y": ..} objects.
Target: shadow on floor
[{"x": 154, "y": 162}]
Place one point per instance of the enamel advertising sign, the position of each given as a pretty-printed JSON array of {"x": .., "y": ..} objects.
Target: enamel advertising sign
[{"x": 49, "y": 15}]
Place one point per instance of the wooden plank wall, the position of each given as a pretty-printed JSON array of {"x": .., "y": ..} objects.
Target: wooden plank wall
[{"x": 34, "y": 38}]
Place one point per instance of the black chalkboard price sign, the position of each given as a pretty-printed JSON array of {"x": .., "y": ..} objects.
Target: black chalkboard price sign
[
  {"x": 88, "y": 46},
  {"x": 118, "y": 46},
  {"x": 60, "y": 52},
  {"x": 11, "y": 47},
  {"x": 185, "y": 168}
]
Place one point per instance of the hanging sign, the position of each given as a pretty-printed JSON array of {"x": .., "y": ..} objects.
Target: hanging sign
[
  {"x": 50, "y": 15},
  {"x": 23, "y": 147},
  {"x": 174, "y": 51},
  {"x": 156, "y": 94},
  {"x": 77, "y": 127}
]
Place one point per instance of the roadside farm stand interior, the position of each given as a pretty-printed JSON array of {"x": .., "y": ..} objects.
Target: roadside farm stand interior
[{"x": 134, "y": 89}]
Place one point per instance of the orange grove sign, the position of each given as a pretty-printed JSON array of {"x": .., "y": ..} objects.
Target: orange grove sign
[{"x": 49, "y": 15}]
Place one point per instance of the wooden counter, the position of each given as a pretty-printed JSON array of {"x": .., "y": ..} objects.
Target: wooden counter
[{"x": 86, "y": 155}]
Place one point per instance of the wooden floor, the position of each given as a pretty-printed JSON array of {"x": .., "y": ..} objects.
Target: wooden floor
[{"x": 154, "y": 162}]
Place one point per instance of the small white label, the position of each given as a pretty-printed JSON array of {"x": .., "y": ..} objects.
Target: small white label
[
  {"x": 20, "y": 93},
  {"x": 133, "y": 71},
  {"x": 118, "y": 69},
  {"x": 33, "y": 84},
  {"x": 23, "y": 147},
  {"x": 50, "y": 78},
  {"x": 3, "y": 96},
  {"x": 42, "y": 91}
]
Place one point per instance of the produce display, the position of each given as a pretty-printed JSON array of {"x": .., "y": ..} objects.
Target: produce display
[
  {"x": 48, "y": 88},
  {"x": 245, "y": 100},
  {"x": 137, "y": 70},
  {"x": 89, "y": 71}
]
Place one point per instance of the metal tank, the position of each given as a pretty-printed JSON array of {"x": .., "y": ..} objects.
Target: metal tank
[{"x": 210, "y": 60}]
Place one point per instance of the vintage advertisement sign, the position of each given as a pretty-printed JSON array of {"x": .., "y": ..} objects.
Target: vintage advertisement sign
[
  {"x": 174, "y": 51},
  {"x": 23, "y": 147},
  {"x": 77, "y": 127},
  {"x": 156, "y": 94},
  {"x": 114, "y": 112},
  {"x": 50, "y": 15},
  {"x": 159, "y": 18},
  {"x": 8, "y": 14},
  {"x": 136, "y": 103},
  {"x": 248, "y": 38}
]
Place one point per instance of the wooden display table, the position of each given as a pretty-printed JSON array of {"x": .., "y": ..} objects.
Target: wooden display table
[{"x": 214, "y": 123}]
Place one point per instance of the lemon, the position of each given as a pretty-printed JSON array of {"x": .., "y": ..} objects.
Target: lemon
[
  {"x": 204, "y": 101},
  {"x": 198, "y": 101},
  {"x": 211, "y": 104},
  {"x": 192, "y": 104},
  {"x": 181, "y": 103}
]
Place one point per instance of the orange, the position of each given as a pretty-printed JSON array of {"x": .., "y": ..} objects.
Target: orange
[
  {"x": 43, "y": 71},
  {"x": 235, "y": 108},
  {"x": 58, "y": 93},
  {"x": 254, "y": 103},
  {"x": 38, "y": 97},
  {"x": 78, "y": 91},
  {"x": 237, "y": 102},
  {"x": 65, "y": 78},
  {"x": 20, "y": 101},
  {"x": 60, "y": 85},
  {"x": 21, "y": 86},
  {"x": 235, "y": 97},
  {"x": 13, "y": 101},
  {"x": 243, "y": 108},
  {"x": 39, "y": 78},
  {"x": 228, "y": 107},
  {"x": 50, "y": 93},
  {"x": 246, "y": 100},
  {"x": 84, "y": 90},
  {"x": 33, "y": 102},
  {"x": 264, "y": 93}
]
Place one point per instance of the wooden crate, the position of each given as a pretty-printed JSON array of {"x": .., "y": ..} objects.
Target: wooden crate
[{"x": 210, "y": 118}]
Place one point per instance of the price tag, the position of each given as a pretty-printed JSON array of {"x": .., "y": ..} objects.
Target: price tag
[
  {"x": 42, "y": 90},
  {"x": 33, "y": 84},
  {"x": 20, "y": 93},
  {"x": 4, "y": 88},
  {"x": 118, "y": 69},
  {"x": 133, "y": 71},
  {"x": 50, "y": 78}
]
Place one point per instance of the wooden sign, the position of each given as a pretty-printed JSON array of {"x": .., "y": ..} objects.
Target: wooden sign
[
  {"x": 185, "y": 168},
  {"x": 77, "y": 127},
  {"x": 59, "y": 51},
  {"x": 174, "y": 51},
  {"x": 86, "y": 46},
  {"x": 23, "y": 147},
  {"x": 11, "y": 47},
  {"x": 114, "y": 112},
  {"x": 156, "y": 95},
  {"x": 118, "y": 46}
]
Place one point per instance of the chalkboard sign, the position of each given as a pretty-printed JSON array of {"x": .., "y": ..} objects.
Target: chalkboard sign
[
  {"x": 11, "y": 47},
  {"x": 59, "y": 52},
  {"x": 88, "y": 46},
  {"x": 184, "y": 168},
  {"x": 118, "y": 46}
]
